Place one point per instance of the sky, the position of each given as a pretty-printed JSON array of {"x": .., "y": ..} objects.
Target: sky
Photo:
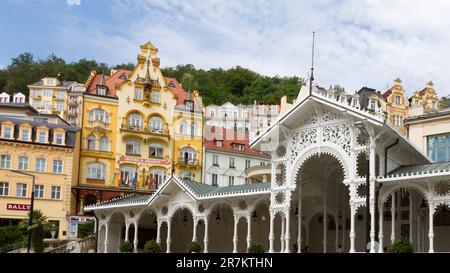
[{"x": 358, "y": 42}]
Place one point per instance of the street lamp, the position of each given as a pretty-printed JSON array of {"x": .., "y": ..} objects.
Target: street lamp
[
  {"x": 30, "y": 221},
  {"x": 365, "y": 136}
]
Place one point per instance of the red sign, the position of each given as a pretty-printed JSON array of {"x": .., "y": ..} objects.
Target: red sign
[
  {"x": 143, "y": 160},
  {"x": 17, "y": 207}
]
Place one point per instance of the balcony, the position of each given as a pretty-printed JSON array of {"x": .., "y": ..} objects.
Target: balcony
[
  {"x": 133, "y": 154},
  {"x": 188, "y": 162},
  {"x": 97, "y": 124},
  {"x": 145, "y": 130},
  {"x": 89, "y": 147},
  {"x": 36, "y": 96},
  {"x": 73, "y": 103},
  {"x": 59, "y": 98}
]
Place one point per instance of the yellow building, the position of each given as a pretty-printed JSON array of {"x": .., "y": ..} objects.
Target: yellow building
[
  {"x": 145, "y": 145},
  {"x": 98, "y": 147},
  {"x": 396, "y": 105},
  {"x": 42, "y": 145},
  {"x": 425, "y": 100},
  {"x": 188, "y": 136},
  {"x": 63, "y": 98}
]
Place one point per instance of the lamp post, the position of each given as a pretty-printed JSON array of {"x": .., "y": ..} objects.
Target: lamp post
[
  {"x": 30, "y": 221},
  {"x": 366, "y": 138}
]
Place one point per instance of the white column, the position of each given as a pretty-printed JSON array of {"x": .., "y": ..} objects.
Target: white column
[
  {"x": 169, "y": 239},
  {"x": 158, "y": 231},
  {"x": 194, "y": 231},
  {"x": 418, "y": 234},
  {"x": 380, "y": 232},
  {"x": 249, "y": 231},
  {"x": 372, "y": 197},
  {"x": 127, "y": 227},
  {"x": 283, "y": 230},
  {"x": 106, "y": 237},
  {"x": 336, "y": 224},
  {"x": 299, "y": 222},
  {"x": 235, "y": 236},
  {"x": 135, "y": 243},
  {"x": 410, "y": 219},
  {"x": 271, "y": 235},
  {"x": 205, "y": 239},
  {"x": 393, "y": 208},
  {"x": 324, "y": 222},
  {"x": 287, "y": 235},
  {"x": 344, "y": 224},
  {"x": 352, "y": 228},
  {"x": 431, "y": 228}
]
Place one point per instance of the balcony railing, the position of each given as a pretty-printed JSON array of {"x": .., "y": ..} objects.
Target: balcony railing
[
  {"x": 98, "y": 124},
  {"x": 73, "y": 103},
  {"x": 145, "y": 130},
  {"x": 97, "y": 147},
  {"x": 190, "y": 162}
]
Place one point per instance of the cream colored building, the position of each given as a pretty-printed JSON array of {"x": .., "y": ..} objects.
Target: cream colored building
[{"x": 44, "y": 146}]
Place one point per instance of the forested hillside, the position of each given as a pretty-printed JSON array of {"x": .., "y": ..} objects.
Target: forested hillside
[{"x": 216, "y": 86}]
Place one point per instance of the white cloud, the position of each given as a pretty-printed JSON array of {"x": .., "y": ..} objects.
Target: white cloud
[{"x": 359, "y": 43}]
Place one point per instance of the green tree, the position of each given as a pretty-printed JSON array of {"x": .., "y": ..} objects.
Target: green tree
[
  {"x": 39, "y": 226},
  {"x": 127, "y": 66},
  {"x": 444, "y": 102}
]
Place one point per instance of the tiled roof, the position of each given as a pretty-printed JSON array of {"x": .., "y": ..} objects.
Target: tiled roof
[
  {"x": 65, "y": 84},
  {"x": 181, "y": 94},
  {"x": 203, "y": 190},
  {"x": 228, "y": 138},
  {"x": 110, "y": 82},
  {"x": 123, "y": 201},
  {"x": 421, "y": 169}
]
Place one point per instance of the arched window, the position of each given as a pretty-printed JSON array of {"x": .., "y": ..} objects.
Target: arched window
[
  {"x": 187, "y": 176},
  {"x": 135, "y": 121},
  {"x": 158, "y": 175},
  {"x": 104, "y": 144},
  {"x": 91, "y": 142},
  {"x": 188, "y": 155},
  {"x": 156, "y": 150},
  {"x": 156, "y": 125},
  {"x": 128, "y": 174},
  {"x": 194, "y": 128},
  {"x": 133, "y": 147},
  {"x": 96, "y": 171},
  {"x": 183, "y": 127},
  {"x": 99, "y": 115}
]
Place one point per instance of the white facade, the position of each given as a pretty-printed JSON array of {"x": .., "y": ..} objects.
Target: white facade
[{"x": 217, "y": 164}]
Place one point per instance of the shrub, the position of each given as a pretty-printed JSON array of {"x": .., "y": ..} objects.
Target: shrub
[
  {"x": 401, "y": 245},
  {"x": 10, "y": 235},
  {"x": 255, "y": 248},
  {"x": 86, "y": 229},
  {"x": 194, "y": 247},
  {"x": 126, "y": 247},
  {"x": 37, "y": 229},
  {"x": 152, "y": 247}
]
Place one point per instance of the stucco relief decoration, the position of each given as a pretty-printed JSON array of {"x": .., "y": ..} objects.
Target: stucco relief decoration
[
  {"x": 164, "y": 210},
  {"x": 338, "y": 134},
  {"x": 441, "y": 188},
  {"x": 310, "y": 121},
  {"x": 242, "y": 204},
  {"x": 280, "y": 174},
  {"x": 279, "y": 198},
  {"x": 280, "y": 152},
  {"x": 330, "y": 116},
  {"x": 300, "y": 140}
]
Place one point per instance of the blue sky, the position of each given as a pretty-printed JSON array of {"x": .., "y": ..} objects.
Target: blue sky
[{"x": 359, "y": 42}]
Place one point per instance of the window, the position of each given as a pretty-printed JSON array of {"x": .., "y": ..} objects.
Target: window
[
  {"x": 96, "y": 171},
  {"x": 4, "y": 188},
  {"x": 99, "y": 115},
  {"x": 23, "y": 163},
  {"x": 239, "y": 147},
  {"x": 372, "y": 104},
  {"x": 219, "y": 143},
  {"x": 262, "y": 163},
  {"x": 187, "y": 176},
  {"x": 101, "y": 90},
  {"x": 7, "y": 133},
  {"x": 133, "y": 147},
  {"x": 232, "y": 162},
  {"x": 36, "y": 104},
  {"x": 56, "y": 192},
  {"x": 188, "y": 155},
  {"x": 60, "y": 94},
  {"x": 104, "y": 144},
  {"x": 40, "y": 164},
  {"x": 21, "y": 190},
  {"x": 216, "y": 160},
  {"x": 158, "y": 175},
  {"x": 433, "y": 105},
  {"x": 60, "y": 106},
  {"x": 138, "y": 93},
  {"x": 127, "y": 174},
  {"x": 155, "y": 96},
  {"x": 57, "y": 166},
  {"x": 230, "y": 180},
  {"x": 439, "y": 148},
  {"x": 214, "y": 179},
  {"x": 156, "y": 124},
  {"x": 47, "y": 92},
  {"x": 39, "y": 191},
  {"x": 190, "y": 105},
  {"x": 194, "y": 128},
  {"x": 156, "y": 150},
  {"x": 5, "y": 161},
  {"x": 43, "y": 120},
  {"x": 135, "y": 121},
  {"x": 59, "y": 139},
  {"x": 25, "y": 134},
  {"x": 42, "y": 137},
  {"x": 91, "y": 142},
  {"x": 183, "y": 127},
  {"x": 47, "y": 104},
  {"x": 247, "y": 163},
  {"x": 37, "y": 93},
  {"x": 398, "y": 120},
  {"x": 398, "y": 99},
  {"x": 49, "y": 82}
]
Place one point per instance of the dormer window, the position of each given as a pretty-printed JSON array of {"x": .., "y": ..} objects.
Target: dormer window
[
  {"x": 25, "y": 134},
  {"x": 59, "y": 139},
  {"x": 355, "y": 102},
  {"x": 239, "y": 147},
  {"x": 101, "y": 90},
  {"x": 49, "y": 82},
  {"x": 398, "y": 99},
  {"x": 123, "y": 76},
  {"x": 42, "y": 137},
  {"x": 7, "y": 133},
  {"x": 189, "y": 105},
  {"x": 219, "y": 143},
  {"x": 171, "y": 84},
  {"x": 372, "y": 104}
]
